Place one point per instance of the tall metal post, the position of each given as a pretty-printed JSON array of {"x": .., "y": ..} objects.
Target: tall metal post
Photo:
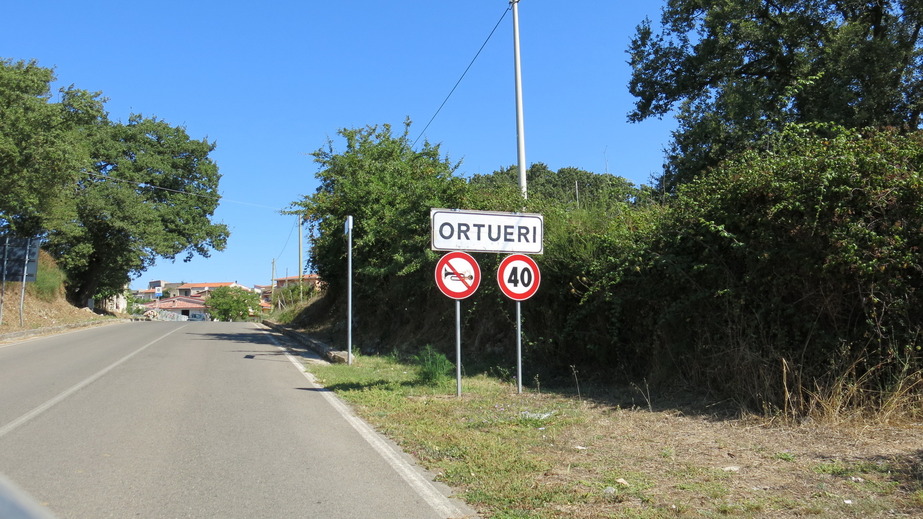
[
  {"x": 22, "y": 288},
  {"x": 520, "y": 125},
  {"x": 300, "y": 261},
  {"x": 349, "y": 291},
  {"x": 6, "y": 247}
]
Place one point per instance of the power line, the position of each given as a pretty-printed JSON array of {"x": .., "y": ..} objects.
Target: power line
[
  {"x": 287, "y": 239},
  {"x": 502, "y": 16},
  {"x": 203, "y": 195},
  {"x": 159, "y": 188}
]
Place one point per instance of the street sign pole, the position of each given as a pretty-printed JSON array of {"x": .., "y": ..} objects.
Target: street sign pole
[
  {"x": 349, "y": 292},
  {"x": 518, "y": 347},
  {"x": 519, "y": 279},
  {"x": 458, "y": 276},
  {"x": 520, "y": 125},
  {"x": 22, "y": 289},
  {"x": 6, "y": 247},
  {"x": 458, "y": 373}
]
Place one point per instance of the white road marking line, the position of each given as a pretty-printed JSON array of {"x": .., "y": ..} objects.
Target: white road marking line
[
  {"x": 439, "y": 502},
  {"x": 10, "y": 427}
]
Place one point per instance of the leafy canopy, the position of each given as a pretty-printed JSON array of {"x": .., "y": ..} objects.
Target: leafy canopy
[
  {"x": 43, "y": 145},
  {"x": 735, "y": 70},
  {"x": 111, "y": 198},
  {"x": 388, "y": 188}
]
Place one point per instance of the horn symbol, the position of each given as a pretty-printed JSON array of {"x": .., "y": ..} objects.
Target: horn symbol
[{"x": 459, "y": 277}]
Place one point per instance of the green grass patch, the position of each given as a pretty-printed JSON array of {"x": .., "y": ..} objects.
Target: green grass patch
[
  {"x": 488, "y": 443},
  {"x": 841, "y": 469},
  {"x": 49, "y": 280},
  {"x": 784, "y": 456},
  {"x": 435, "y": 369}
]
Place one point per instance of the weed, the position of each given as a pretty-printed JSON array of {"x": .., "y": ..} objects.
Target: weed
[
  {"x": 784, "y": 456},
  {"x": 434, "y": 368},
  {"x": 646, "y": 394},
  {"x": 49, "y": 281},
  {"x": 840, "y": 469},
  {"x": 576, "y": 381},
  {"x": 502, "y": 374}
]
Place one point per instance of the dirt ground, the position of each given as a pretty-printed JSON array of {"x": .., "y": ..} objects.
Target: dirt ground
[
  {"x": 669, "y": 463},
  {"x": 37, "y": 313}
]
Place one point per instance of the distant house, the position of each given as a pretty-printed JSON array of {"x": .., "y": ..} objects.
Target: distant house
[
  {"x": 192, "y": 289},
  {"x": 191, "y": 307},
  {"x": 147, "y": 294},
  {"x": 309, "y": 279},
  {"x": 150, "y": 293}
]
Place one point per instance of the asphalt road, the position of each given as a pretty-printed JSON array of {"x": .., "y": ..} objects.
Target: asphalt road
[{"x": 190, "y": 420}]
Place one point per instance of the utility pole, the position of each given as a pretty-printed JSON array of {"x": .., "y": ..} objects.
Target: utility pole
[{"x": 520, "y": 125}]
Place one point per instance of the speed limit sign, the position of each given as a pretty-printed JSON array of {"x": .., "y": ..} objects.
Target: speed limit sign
[{"x": 518, "y": 277}]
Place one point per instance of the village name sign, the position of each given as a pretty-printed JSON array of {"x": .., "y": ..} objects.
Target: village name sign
[{"x": 487, "y": 231}]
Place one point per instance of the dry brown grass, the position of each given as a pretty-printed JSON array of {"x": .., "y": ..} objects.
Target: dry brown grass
[
  {"x": 635, "y": 453},
  {"x": 667, "y": 463},
  {"x": 39, "y": 313}
]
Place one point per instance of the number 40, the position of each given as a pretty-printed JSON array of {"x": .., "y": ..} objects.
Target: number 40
[{"x": 520, "y": 275}]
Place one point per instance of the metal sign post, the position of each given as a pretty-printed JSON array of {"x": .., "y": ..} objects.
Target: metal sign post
[
  {"x": 6, "y": 246},
  {"x": 519, "y": 278},
  {"x": 20, "y": 263},
  {"x": 520, "y": 125},
  {"x": 458, "y": 276},
  {"x": 349, "y": 291},
  {"x": 22, "y": 286},
  {"x": 458, "y": 369}
]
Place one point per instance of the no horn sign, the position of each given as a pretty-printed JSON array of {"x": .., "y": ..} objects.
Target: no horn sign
[
  {"x": 458, "y": 275},
  {"x": 487, "y": 231}
]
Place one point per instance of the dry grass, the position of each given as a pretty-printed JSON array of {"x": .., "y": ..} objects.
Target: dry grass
[
  {"x": 38, "y": 313},
  {"x": 44, "y": 304},
  {"x": 632, "y": 453}
]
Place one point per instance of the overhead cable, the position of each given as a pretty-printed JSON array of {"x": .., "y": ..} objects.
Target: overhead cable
[{"x": 461, "y": 78}]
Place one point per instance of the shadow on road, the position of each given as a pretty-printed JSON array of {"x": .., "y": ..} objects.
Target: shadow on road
[{"x": 269, "y": 338}]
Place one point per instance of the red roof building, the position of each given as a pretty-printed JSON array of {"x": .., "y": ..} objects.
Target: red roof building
[
  {"x": 191, "y": 289},
  {"x": 191, "y": 307}
]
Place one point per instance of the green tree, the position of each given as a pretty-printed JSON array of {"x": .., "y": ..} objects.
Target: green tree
[
  {"x": 111, "y": 198},
  {"x": 151, "y": 194},
  {"x": 43, "y": 146},
  {"x": 568, "y": 186},
  {"x": 737, "y": 70},
  {"x": 232, "y": 303},
  {"x": 389, "y": 188}
]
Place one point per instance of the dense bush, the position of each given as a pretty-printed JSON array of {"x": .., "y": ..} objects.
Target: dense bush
[{"x": 791, "y": 269}]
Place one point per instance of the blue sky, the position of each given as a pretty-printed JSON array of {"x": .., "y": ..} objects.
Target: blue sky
[{"x": 271, "y": 82}]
